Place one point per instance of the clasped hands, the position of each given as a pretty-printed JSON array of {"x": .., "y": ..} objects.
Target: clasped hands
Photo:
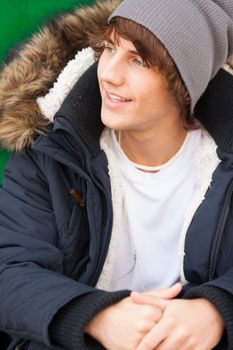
[{"x": 157, "y": 320}]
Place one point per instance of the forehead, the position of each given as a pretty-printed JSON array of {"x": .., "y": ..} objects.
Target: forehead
[{"x": 124, "y": 44}]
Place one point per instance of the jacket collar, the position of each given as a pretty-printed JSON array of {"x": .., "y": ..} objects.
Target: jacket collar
[{"x": 79, "y": 114}]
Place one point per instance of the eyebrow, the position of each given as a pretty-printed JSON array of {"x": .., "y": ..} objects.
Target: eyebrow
[{"x": 134, "y": 52}]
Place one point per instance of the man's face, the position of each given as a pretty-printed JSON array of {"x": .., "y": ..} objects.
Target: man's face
[{"x": 134, "y": 95}]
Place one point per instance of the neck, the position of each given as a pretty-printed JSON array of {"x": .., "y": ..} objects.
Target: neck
[{"x": 149, "y": 148}]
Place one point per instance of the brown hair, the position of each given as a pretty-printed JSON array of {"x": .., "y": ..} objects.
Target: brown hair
[{"x": 153, "y": 52}]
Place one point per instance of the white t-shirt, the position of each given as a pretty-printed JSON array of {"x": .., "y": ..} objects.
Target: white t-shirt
[{"x": 152, "y": 215}]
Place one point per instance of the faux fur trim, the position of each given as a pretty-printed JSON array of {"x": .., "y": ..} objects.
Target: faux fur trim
[
  {"x": 51, "y": 102},
  {"x": 34, "y": 67},
  {"x": 117, "y": 188},
  {"x": 206, "y": 161}
]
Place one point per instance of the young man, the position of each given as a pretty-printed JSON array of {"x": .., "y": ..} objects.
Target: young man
[{"x": 127, "y": 192}]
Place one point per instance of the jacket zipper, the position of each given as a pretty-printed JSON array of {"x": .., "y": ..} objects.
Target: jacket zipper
[
  {"x": 103, "y": 253},
  {"x": 221, "y": 231},
  {"x": 98, "y": 262},
  {"x": 100, "y": 257}
]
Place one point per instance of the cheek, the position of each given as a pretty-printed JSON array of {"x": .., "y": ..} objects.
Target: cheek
[
  {"x": 100, "y": 67},
  {"x": 157, "y": 92},
  {"x": 99, "y": 71}
]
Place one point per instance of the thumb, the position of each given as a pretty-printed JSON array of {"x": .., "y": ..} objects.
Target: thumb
[
  {"x": 167, "y": 293},
  {"x": 147, "y": 299},
  {"x": 160, "y": 294}
]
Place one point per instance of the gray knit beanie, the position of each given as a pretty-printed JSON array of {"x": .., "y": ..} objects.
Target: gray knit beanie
[{"x": 198, "y": 35}]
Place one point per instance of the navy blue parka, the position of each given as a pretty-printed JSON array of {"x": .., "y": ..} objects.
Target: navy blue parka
[{"x": 56, "y": 218}]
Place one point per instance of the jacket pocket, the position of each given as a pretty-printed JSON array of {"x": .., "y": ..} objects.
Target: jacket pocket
[{"x": 74, "y": 243}]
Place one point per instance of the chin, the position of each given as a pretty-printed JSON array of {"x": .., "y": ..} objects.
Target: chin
[{"x": 111, "y": 122}]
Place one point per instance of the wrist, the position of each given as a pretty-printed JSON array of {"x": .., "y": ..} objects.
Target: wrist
[
  {"x": 95, "y": 326},
  {"x": 215, "y": 318}
]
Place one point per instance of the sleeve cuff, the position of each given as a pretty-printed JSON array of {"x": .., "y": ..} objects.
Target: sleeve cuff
[
  {"x": 223, "y": 302},
  {"x": 67, "y": 327}
]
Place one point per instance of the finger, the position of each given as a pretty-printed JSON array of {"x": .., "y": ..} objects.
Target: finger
[
  {"x": 163, "y": 293},
  {"x": 149, "y": 298},
  {"x": 159, "y": 333},
  {"x": 167, "y": 293},
  {"x": 178, "y": 340},
  {"x": 138, "y": 298}
]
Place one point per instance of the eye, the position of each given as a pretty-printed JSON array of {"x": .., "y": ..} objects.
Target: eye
[
  {"x": 139, "y": 62},
  {"x": 108, "y": 47}
]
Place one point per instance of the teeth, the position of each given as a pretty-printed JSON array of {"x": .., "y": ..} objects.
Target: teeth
[{"x": 115, "y": 98}]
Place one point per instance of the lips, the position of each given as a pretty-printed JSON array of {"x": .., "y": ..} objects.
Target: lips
[
  {"x": 116, "y": 98},
  {"x": 114, "y": 101}
]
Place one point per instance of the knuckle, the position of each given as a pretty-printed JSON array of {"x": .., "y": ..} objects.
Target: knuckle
[
  {"x": 171, "y": 321},
  {"x": 184, "y": 334},
  {"x": 143, "y": 326}
]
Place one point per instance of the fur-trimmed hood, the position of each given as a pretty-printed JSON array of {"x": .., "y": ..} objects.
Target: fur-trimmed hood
[
  {"x": 32, "y": 71},
  {"x": 35, "y": 66}
]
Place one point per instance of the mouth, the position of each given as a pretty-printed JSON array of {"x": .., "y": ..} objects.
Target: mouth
[
  {"x": 113, "y": 100},
  {"x": 116, "y": 98}
]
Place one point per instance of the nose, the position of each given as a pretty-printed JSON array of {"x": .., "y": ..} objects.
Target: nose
[{"x": 112, "y": 71}]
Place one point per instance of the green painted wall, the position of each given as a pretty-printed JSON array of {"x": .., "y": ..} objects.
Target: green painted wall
[{"x": 20, "y": 18}]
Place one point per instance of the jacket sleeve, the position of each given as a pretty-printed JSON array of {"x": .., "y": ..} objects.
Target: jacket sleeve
[
  {"x": 222, "y": 299},
  {"x": 33, "y": 287},
  {"x": 64, "y": 331}
]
